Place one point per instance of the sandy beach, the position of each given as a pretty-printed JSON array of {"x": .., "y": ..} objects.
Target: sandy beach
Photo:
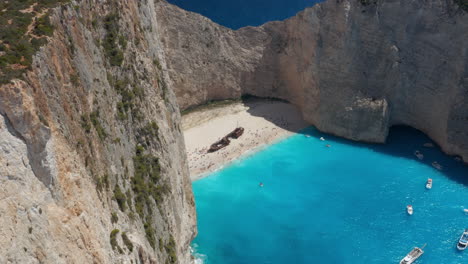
[{"x": 264, "y": 122}]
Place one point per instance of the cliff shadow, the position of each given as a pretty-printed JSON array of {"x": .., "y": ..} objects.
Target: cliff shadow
[
  {"x": 402, "y": 142},
  {"x": 277, "y": 111}
]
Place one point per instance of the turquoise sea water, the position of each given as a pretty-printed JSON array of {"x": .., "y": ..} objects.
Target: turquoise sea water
[
  {"x": 241, "y": 13},
  {"x": 343, "y": 204}
]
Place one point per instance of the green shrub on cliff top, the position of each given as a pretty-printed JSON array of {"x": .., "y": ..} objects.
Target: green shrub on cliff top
[{"x": 18, "y": 44}]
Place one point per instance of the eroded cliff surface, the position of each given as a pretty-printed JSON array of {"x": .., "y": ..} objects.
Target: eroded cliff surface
[
  {"x": 92, "y": 161},
  {"x": 354, "y": 69}
]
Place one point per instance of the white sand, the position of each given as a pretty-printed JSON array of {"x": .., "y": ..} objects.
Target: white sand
[{"x": 264, "y": 122}]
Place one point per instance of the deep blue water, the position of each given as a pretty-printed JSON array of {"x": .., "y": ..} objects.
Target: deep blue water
[
  {"x": 240, "y": 13},
  {"x": 343, "y": 204}
]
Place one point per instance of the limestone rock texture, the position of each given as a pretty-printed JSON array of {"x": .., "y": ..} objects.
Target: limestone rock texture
[
  {"x": 354, "y": 70},
  {"x": 95, "y": 110},
  {"x": 93, "y": 167}
]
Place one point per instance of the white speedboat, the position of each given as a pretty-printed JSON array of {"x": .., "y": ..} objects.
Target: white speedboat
[
  {"x": 409, "y": 209},
  {"x": 419, "y": 154},
  {"x": 436, "y": 165},
  {"x": 463, "y": 242},
  {"x": 465, "y": 210},
  {"x": 412, "y": 256},
  {"x": 322, "y": 139},
  {"x": 429, "y": 184}
]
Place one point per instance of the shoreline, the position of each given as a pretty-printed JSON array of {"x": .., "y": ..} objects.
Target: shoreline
[
  {"x": 242, "y": 156},
  {"x": 265, "y": 122}
]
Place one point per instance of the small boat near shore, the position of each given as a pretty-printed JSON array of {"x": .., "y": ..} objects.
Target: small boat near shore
[
  {"x": 409, "y": 209},
  {"x": 436, "y": 165},
  {"x": 465, "y": 210},
  {"x": 414, "y": 254},
  {"x": 463, "y": 242},
  {"x": 419, "y": 155},
  {"x": 428, "y": 145},
  {"x": 429, "y": 184}
]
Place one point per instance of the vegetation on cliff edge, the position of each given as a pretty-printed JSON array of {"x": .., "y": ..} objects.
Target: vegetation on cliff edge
[{"x": 24, "y": 28}]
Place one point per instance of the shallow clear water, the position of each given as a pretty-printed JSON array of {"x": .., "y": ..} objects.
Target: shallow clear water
[
  {"x": 241, "y": 13},
  {"x": 343, "y": 204}
]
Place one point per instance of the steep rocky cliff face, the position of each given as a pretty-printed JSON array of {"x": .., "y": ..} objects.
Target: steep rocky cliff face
[
  {"x": 355, "y": 68},
  {"x": 92, "y": 161}
]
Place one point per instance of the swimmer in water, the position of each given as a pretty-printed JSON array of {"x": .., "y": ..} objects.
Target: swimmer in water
[
  {"x": 261, "y": 184},
  {"x": 328, "y": 145}
]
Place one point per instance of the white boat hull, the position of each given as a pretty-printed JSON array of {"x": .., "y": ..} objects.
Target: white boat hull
[
  {"x": 412, "y": 256},
  {"x": 463, "y": 242},
  {"x": 409, "y": 210},
  {"x": 429, "y": 184}
]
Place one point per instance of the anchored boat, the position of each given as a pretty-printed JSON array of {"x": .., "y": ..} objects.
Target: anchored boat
[
  {"x": 409, "y": 209},
  {"x": 463, "y": 242},
  {"x": 429, "y": 184},
  {"x": 419, "y": 155},
  {"x": 413, "y": 255},
  {"x": 436, "y": 165}
]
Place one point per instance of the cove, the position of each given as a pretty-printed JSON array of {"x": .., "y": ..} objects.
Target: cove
[
  {"x": 342, "y": 204},
  {"x": 241, "y": 13}
]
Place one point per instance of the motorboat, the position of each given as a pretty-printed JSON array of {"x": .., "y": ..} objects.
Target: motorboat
[
  {"x": 409, "y": 209},
  {"x": 419, "y": 154},
  {"x": 428, "y": 145},
  {"x": 465, "y": 210},
  {"x": 414, "y": 254},
  {"x": 463, "y": 242},
  {"x": 321, "y": 138},
  {"x": 436, "y": 165},
  {"x": 429, "y": 184}
]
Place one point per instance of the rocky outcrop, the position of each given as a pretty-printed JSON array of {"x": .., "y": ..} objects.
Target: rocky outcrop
[
  {"x": 92, "y": 160},
  {"x": 354, "y": 70}
]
